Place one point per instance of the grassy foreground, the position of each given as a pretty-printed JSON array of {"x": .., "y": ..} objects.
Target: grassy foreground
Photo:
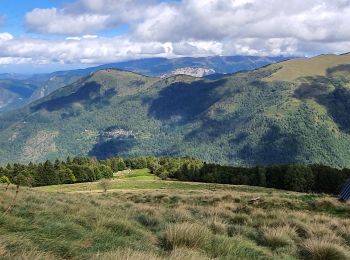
[{"x": 142, "y": 217}]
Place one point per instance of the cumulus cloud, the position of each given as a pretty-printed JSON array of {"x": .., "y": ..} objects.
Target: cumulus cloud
[
  {"x": 5, "y": 36},
  {"x": 85, "y": 16},
  {"x": 57, "y": 22},
  {"x": 85, "y": 49},
  {"x": 180, "y": 28},
  {"x": 319, "y": 20}
]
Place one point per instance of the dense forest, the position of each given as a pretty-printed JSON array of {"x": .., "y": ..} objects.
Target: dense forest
[
  {"x": 245, "y": 119},
  {"x": 302, "y": 178}
]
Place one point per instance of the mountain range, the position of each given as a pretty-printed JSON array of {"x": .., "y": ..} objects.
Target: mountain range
[
  {"x": 17, "y": 90},
  {"x": 295, "y": 111}
]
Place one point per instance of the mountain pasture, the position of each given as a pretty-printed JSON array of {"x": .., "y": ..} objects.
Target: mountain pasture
[{"x": 143, "y": 217}]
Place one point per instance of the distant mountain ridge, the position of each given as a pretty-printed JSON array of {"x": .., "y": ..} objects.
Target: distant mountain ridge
[
  {"x": 47, "y": 83},
  {"x": 277, "y": 114}
]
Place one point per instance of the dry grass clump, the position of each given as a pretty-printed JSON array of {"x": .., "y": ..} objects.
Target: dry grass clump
[
  {"x": 324, "y": 233},
  {"x": 186, "y": 254},
  {"x": 126, "y": 254},
  {"x": 31, "y": 254},
  {"x": 327, "y": 203},
  {"x": 242, "y": 230},
  {"x": 302, "y": 228},
  {"x": 186, "y": 235},
  {"x": 178, "y": 214},
  {"x": 320, "y": 249},
  {"x": 344, "y": 232},
  {"x": 217, "y": 226},
  {"x": 275, "y": 237}
]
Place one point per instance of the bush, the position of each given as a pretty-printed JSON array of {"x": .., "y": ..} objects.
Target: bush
[
  {"x": 4, "y": 179},
  {"x": 187, "y": 235},
  {"x": 105, "y": 184}
]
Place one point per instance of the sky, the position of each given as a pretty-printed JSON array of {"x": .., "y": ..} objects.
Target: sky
[{"x": 46, "y": 35}]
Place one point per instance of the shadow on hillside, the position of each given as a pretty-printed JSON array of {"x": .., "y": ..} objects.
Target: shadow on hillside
[
  {"x": 184, "y": 101},
  {"x": 274, "y": 147},
  {"x": 211, "y": 129},
  {"x": 338, "y": 106},
  {"x": 337, "y": 101},
  {"x": 88, "y": 94},
  {"x": 112, "y": 148}
]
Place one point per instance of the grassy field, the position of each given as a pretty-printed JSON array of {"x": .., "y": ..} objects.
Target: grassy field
[
  {"x": 142, "y": 217},
  {"x": 143, "y": 180},
  {"x": 297, "y": 68}
]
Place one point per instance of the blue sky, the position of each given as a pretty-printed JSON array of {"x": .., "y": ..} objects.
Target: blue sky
[
  {"x": 14, "y": 12},
  {"x": 46, "y": 35}
]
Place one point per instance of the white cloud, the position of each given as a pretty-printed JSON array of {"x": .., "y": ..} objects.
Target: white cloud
[
  {"x": 319, "y": 20},
  {"x": 57, "y": 22},
  {"x": 79, "y": 50},
  {"x": 181, "y": 28},
  {"x": 85, "y": 16},
  {"x": 5, "y": 36}
]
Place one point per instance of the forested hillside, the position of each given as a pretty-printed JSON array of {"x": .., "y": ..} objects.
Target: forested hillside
[
  {"x": 248, "y": 118},
  {"x": 18, "y": 90}
]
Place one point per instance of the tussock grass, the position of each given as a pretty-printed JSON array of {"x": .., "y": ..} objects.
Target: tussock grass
[
  {"x": 186, "y": 235},
  {"x": 235, "y": 248},
  {"x": 186, "y": 254},
  {"x": 320, "y": 249},
  {"x": 126, "y": 254},
  {"x": 173, "y": 224},
  {"x": 275, "y": 237}
]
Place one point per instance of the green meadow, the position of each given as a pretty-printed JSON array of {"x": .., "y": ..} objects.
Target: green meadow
[{"x": 143, "y": 217}]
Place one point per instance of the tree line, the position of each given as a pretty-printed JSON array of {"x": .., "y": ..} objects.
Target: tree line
[
  {"x": 302, "y": 178},
  {"x": 76, "y": 170}
]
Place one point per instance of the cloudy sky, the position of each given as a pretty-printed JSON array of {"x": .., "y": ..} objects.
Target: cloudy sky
[{"x": 45, "y": 35}]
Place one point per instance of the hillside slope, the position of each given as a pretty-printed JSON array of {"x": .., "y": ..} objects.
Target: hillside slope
[
  {"x": 246, "y": 119},
  {"x": 154, "y": 219},
  {"x": 44, "y": 84},
  {"x": 14, "y": 93}
]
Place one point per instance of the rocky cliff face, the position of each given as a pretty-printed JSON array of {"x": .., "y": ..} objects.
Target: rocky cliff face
[{"x": 194, "y": 72}]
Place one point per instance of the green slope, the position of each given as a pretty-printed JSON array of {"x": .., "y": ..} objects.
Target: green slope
[
  {"x": 245, "y": 118},
  {"x": 45, "y": 84}
]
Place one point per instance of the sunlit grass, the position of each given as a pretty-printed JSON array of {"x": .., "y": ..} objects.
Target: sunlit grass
[{"x": 142, "y": 219}]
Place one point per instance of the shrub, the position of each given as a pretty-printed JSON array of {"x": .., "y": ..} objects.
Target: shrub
[
  {"x": 187, "y": 235},
  {"x": 320, "y": 249},
  {"x": 4, "y": 179},
  {"x": 105, "y": 184}
]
